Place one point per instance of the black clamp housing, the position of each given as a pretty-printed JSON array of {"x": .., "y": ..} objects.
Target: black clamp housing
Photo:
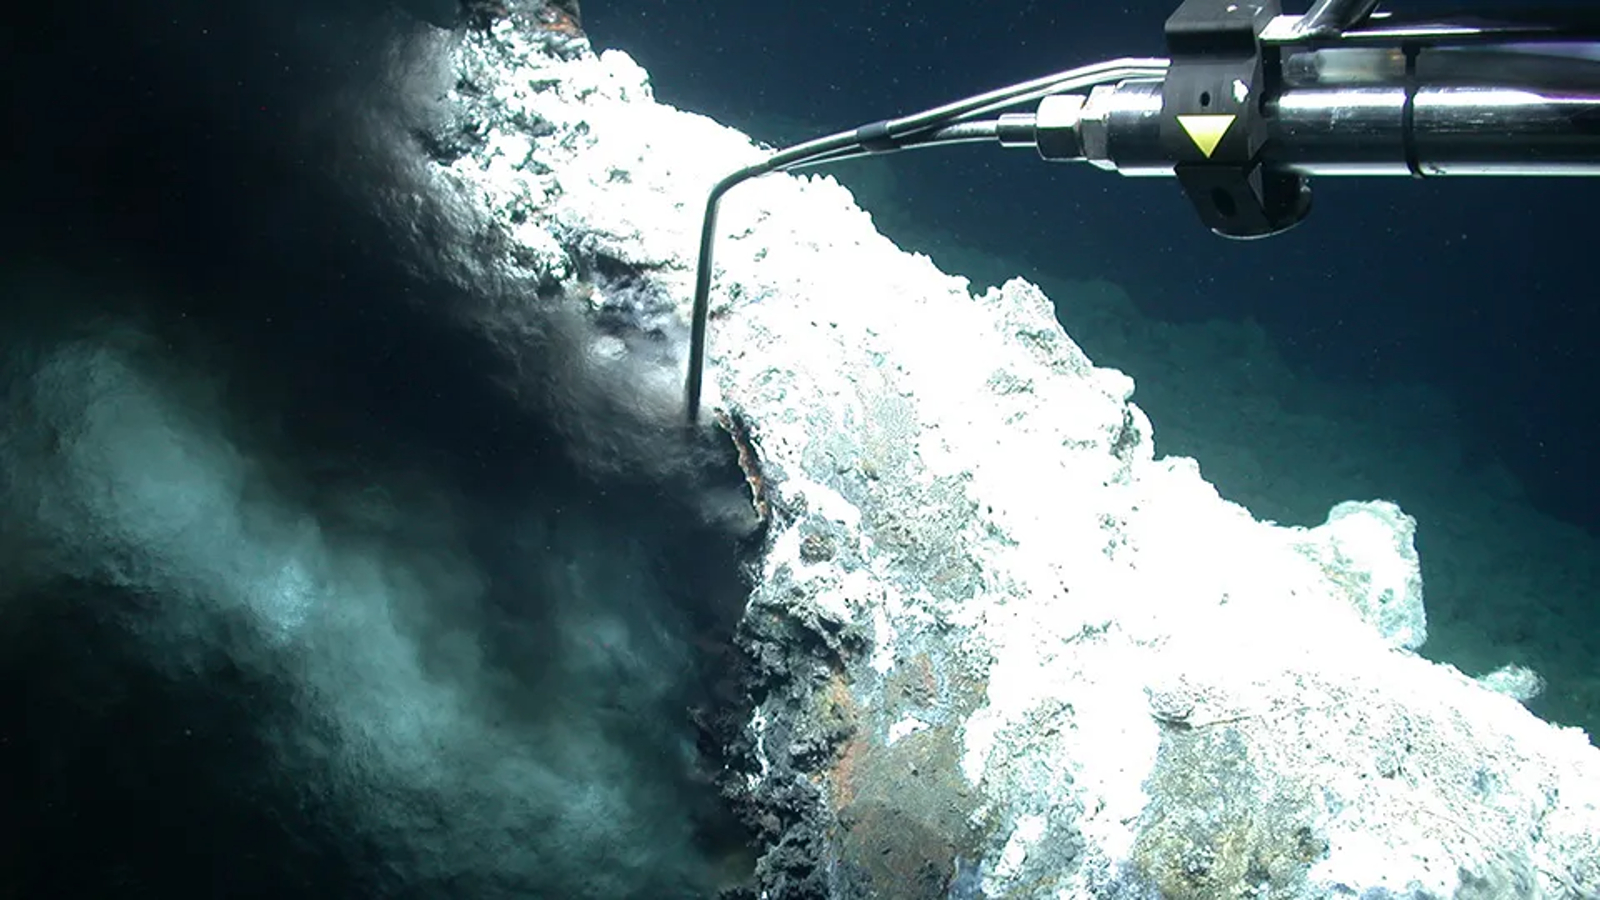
[{"x": 1212, "y": 124}]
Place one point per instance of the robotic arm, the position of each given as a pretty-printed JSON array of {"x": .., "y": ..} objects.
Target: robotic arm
[{"x": 1252, "y": 103}]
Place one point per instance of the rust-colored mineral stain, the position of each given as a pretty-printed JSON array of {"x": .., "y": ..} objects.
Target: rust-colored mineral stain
[
  {"x": 749, "y": 462},
  {"x": 842, "y": 776},
  {"x": 559, "y": 21}
]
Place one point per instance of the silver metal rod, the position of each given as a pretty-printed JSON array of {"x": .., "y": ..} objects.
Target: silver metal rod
[{"x": 1362, "y": 130}]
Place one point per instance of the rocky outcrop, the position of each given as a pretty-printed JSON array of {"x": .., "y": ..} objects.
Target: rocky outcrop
[{"x": 995, "y": 646}]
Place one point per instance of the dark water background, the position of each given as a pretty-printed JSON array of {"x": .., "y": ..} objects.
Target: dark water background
[{"x": 298, "y": 599}]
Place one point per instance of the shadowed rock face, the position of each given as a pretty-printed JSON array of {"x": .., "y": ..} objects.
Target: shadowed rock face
[{"x": 333, "y": 565}]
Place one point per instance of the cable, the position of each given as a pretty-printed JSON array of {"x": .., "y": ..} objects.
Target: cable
[{"x": 951, "y": 123}]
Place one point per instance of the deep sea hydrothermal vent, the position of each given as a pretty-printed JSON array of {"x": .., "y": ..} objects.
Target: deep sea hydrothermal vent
[{"x": 332, "y": 564}]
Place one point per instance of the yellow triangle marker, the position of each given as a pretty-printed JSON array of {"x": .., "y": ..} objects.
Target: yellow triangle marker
[{"x": 1206, "y": 131}]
